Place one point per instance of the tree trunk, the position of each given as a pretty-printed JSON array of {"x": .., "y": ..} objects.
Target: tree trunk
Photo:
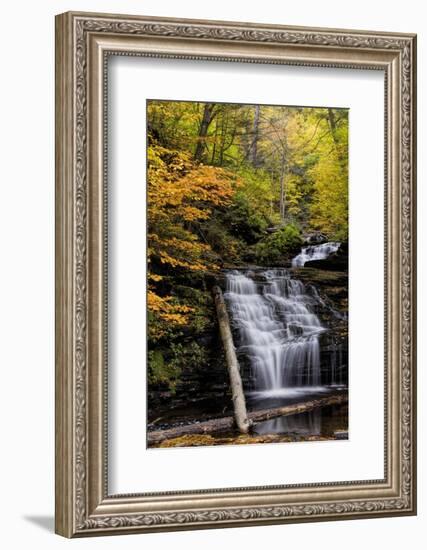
[
  {"x": 214, "y": 145},
  {"x": 239, "y": 402},
  {"x": 226, "y": 423},
  {"x": 333, "y": 128},
  {"x": 332, "y": 125},
  {"x": 208, "y": 116},
  {"x": 254, "y": 144},
  {"x": 282, "y": 191}
]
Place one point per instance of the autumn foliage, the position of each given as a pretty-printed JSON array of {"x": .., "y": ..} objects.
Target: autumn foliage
[
  {"x": 230, "y": 185},
  {"x": 181, "y": 194}
]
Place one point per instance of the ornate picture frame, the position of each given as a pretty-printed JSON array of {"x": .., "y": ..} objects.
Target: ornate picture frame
[{"x": 84, "y": 42}]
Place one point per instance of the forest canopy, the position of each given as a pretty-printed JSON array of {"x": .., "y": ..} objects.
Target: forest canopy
[{"x": 231, "y": 185}]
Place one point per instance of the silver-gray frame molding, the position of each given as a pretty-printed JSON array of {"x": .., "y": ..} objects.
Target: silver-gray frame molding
[{"x": 83, "y": 43}]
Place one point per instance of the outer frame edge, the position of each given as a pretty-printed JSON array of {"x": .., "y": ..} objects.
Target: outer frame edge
[
  {"x": 64, "y": 433},
  {"x": 65, "y": 497}
]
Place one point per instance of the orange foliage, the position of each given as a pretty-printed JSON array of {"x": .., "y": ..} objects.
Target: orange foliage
[{"x": 181, "y": 193}]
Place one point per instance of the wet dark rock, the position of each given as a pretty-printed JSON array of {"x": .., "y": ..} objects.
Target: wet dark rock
[
  {"x": 337, "y": 261},
  {"x": 332, "y": 285},
  {"x": 315, "y": 238},
  {"x": 332, "y": 289},
  {"x": 200, "y": 390}
]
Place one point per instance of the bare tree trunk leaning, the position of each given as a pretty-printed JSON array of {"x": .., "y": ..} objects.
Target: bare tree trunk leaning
[{"x": 239, "y": 403}]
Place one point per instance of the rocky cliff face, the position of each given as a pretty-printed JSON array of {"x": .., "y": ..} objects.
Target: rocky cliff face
[
  {"x": 202, "y": 391},
  {"x": 332, "y": 287}
]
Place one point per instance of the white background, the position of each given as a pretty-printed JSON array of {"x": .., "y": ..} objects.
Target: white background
[
  {"x": 27, "y": 245},
  {"x": 133, "y": 468}
]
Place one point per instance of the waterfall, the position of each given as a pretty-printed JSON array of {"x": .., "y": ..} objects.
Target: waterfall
[
  {"x": 315, "y": 252},
  {"x": 277, "y": 329}
]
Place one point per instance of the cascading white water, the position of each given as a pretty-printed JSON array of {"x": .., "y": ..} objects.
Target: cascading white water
[
  {"x": 277, "y": 329},
  {"x": 315, "y": 252}
]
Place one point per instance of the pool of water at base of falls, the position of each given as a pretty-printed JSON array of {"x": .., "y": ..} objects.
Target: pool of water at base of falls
[
  {"x": 318, "y": 422},
  {"x": 326, "y": 422}
]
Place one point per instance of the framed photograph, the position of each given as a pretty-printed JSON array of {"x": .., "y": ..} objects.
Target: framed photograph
[{"x": 235, "y": 274}]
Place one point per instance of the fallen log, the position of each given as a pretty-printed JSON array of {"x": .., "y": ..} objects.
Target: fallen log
[
  {"x": 238, "y": 397},
  {"x": 227, "y": 423}
]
